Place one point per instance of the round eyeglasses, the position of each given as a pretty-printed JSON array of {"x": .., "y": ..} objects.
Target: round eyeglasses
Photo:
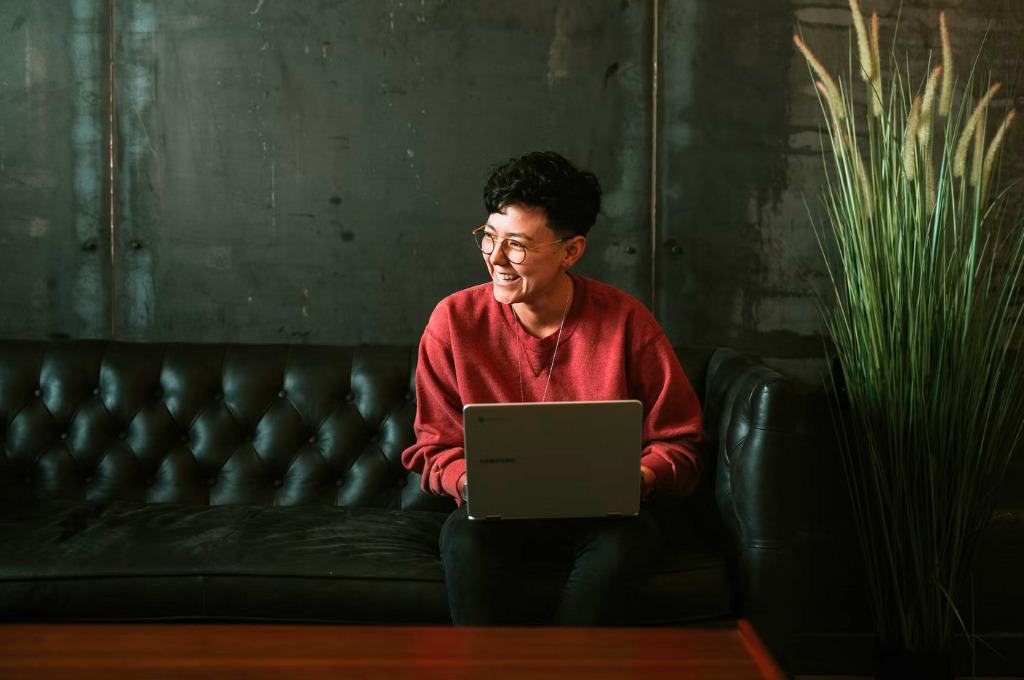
[{"x": 513, "y": 250}]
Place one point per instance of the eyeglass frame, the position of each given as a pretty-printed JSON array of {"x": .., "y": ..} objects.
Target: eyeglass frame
[{"x": 502, "y": 241}]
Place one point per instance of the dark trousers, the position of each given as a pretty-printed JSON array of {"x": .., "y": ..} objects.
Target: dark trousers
[{"x": 486, "y": 564}]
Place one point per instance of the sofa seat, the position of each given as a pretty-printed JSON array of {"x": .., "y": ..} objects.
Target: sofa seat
[
  {"x": 70, "y": 560},
  {"x": 75, "y": 560}
]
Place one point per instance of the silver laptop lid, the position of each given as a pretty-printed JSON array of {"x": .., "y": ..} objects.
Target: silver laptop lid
[{"x": 558, "y": 459}]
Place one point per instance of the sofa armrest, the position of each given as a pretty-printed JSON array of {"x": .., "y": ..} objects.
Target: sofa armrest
[
  {"x": 750, "y": 418},
  {"x": 757, "y": 441}
]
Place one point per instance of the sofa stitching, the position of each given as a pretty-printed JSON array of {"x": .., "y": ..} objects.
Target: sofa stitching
[
  {"x": 199, "y": 413},
  {"x": 234, "y": 416},
  {"x": 46, "y": 408},
  {"x": 317, "y": 429},
  {"x": 133, "y": 416},
  {"x": 323, "y": 421},
  {"x": 270, "y": 405},
  {"x": 298, "y": 413}
]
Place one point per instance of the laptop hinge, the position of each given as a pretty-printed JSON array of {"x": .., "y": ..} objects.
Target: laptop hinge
[
  {"x": 492, "y": 516},
  {"x": 613, "y": 514}
]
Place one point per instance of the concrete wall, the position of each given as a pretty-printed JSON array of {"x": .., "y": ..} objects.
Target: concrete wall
[
  {"x": 310, "y": 171},
  {"x": 54, "y": 169}
]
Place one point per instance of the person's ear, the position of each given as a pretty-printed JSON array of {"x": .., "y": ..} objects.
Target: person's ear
[{"x": 574, "y": 250}]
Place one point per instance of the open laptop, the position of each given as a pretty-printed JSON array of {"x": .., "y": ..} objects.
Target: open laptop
[{"x": 557, "y": 459}]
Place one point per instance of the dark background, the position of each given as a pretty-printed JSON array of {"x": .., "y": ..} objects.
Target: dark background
[{"x": 309, "y": 171}]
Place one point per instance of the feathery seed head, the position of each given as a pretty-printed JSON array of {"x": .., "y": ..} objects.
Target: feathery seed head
[
  {"x": 824, "y": 95},
  {"x": 947, "y": 68},
  {"x": 993, "y": 149},
  {"x": 929, "y": 90},
  {"x": 968, "y": 133},
  {"x": 978, "y": 157},
  {"x": 924, "y": 127},
  {"x": 838, "y": 109},
  {"x": 910, "y": 141},
  {"x": 876, "y": 70},
  {"x": 867, "y": 70}
]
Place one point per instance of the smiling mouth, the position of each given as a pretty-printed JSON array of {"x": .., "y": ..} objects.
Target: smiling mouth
[{"x": 507, "y": 277}]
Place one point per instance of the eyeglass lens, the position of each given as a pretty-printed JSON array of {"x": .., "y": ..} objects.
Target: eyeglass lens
[{"x": 515, "y": 253}]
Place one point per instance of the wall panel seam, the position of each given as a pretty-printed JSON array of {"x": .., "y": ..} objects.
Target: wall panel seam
[
  {"x": 654, "y": 162},
  {"x": 110, "y": 150}
]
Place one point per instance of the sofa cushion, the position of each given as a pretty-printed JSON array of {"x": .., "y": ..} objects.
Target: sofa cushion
[
  {"x": 688, "y": 583},
  {"x": 66, "y": 560},
  {"x": 333, "y": 564}
]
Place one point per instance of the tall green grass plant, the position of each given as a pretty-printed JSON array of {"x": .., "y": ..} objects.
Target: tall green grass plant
[{"x": 925, "y": 254}]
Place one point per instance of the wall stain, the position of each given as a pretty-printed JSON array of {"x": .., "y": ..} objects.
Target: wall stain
[
  {"x": 728, "y": 172},
  {"x": 135, "y": 297},
  {"x": 610, "y": 71},
  {"x": 90, "y": 299},
  {"x": 558, "y": 53}
]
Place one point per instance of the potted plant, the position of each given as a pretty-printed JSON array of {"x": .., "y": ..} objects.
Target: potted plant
[{"x": 924, "y": 248}]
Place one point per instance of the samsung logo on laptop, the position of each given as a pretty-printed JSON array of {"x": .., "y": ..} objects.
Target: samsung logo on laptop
[{"x": 497, "y": 460}]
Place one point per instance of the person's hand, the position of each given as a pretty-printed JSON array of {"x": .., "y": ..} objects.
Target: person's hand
[
  {"x": 646, "y": 481},
  {"x": 461, "y": 487}
]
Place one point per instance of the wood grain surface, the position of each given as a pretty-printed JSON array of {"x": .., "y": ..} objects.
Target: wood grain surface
[{"x": 86, "y": 651}]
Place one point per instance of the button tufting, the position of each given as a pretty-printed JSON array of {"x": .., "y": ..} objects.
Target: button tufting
[
  {"x": 150, "y": 482},
  {"x": 409, "y": 396},
  {"x": 64, "y": 436},
  {"x": 374, "y": 439},
  {"x": 122, "y": 435},
  {"x": 402, "y": 482},
  {"x": 312, "y": 440},
  {"x": 218, "y": 396},
  {"x": 350, "y": 397},
  {"x": 95, "y": 390},
  {"x": 211, "y": 481},
  {"x": 39, "y": 393},
  {"x": 278, "y": 483},
  {"x": 248, "y": 439},
  {"x": 159, "y": 393},
  {"x": 282, "y": 394},
  {"x": 338, "y": 482},
  {"x": 184, "y": 439},
  {"x": 88, "y": 480}
]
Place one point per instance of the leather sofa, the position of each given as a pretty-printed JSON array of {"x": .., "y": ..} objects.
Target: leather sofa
[{"x": 156, "y": 482}]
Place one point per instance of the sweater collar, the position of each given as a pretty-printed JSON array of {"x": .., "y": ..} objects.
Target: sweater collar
[{"x": 537, "y": 351}]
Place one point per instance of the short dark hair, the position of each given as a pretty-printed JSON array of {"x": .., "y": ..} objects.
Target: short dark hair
[{"x": 570, "y": 198}]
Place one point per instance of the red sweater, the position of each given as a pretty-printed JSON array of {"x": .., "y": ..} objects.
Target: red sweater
[{"x": 611, "y": 348}]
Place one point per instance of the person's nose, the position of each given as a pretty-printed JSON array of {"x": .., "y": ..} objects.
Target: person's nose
[{"x": 497, "y": 256}]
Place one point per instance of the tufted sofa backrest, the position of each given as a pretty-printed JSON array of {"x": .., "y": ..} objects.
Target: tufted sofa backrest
[{"x": 208, "y": 424}]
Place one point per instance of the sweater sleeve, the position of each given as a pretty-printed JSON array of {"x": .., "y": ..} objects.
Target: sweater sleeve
[
  {"x": 672, "y": 430},
  {"x": 438, "y": 453}
]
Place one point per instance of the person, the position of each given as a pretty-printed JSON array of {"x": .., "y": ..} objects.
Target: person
[{"x": 539, "y": 332}]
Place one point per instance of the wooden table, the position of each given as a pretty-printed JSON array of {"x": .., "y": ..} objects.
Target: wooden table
[{"x": 85, "y": 651}]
